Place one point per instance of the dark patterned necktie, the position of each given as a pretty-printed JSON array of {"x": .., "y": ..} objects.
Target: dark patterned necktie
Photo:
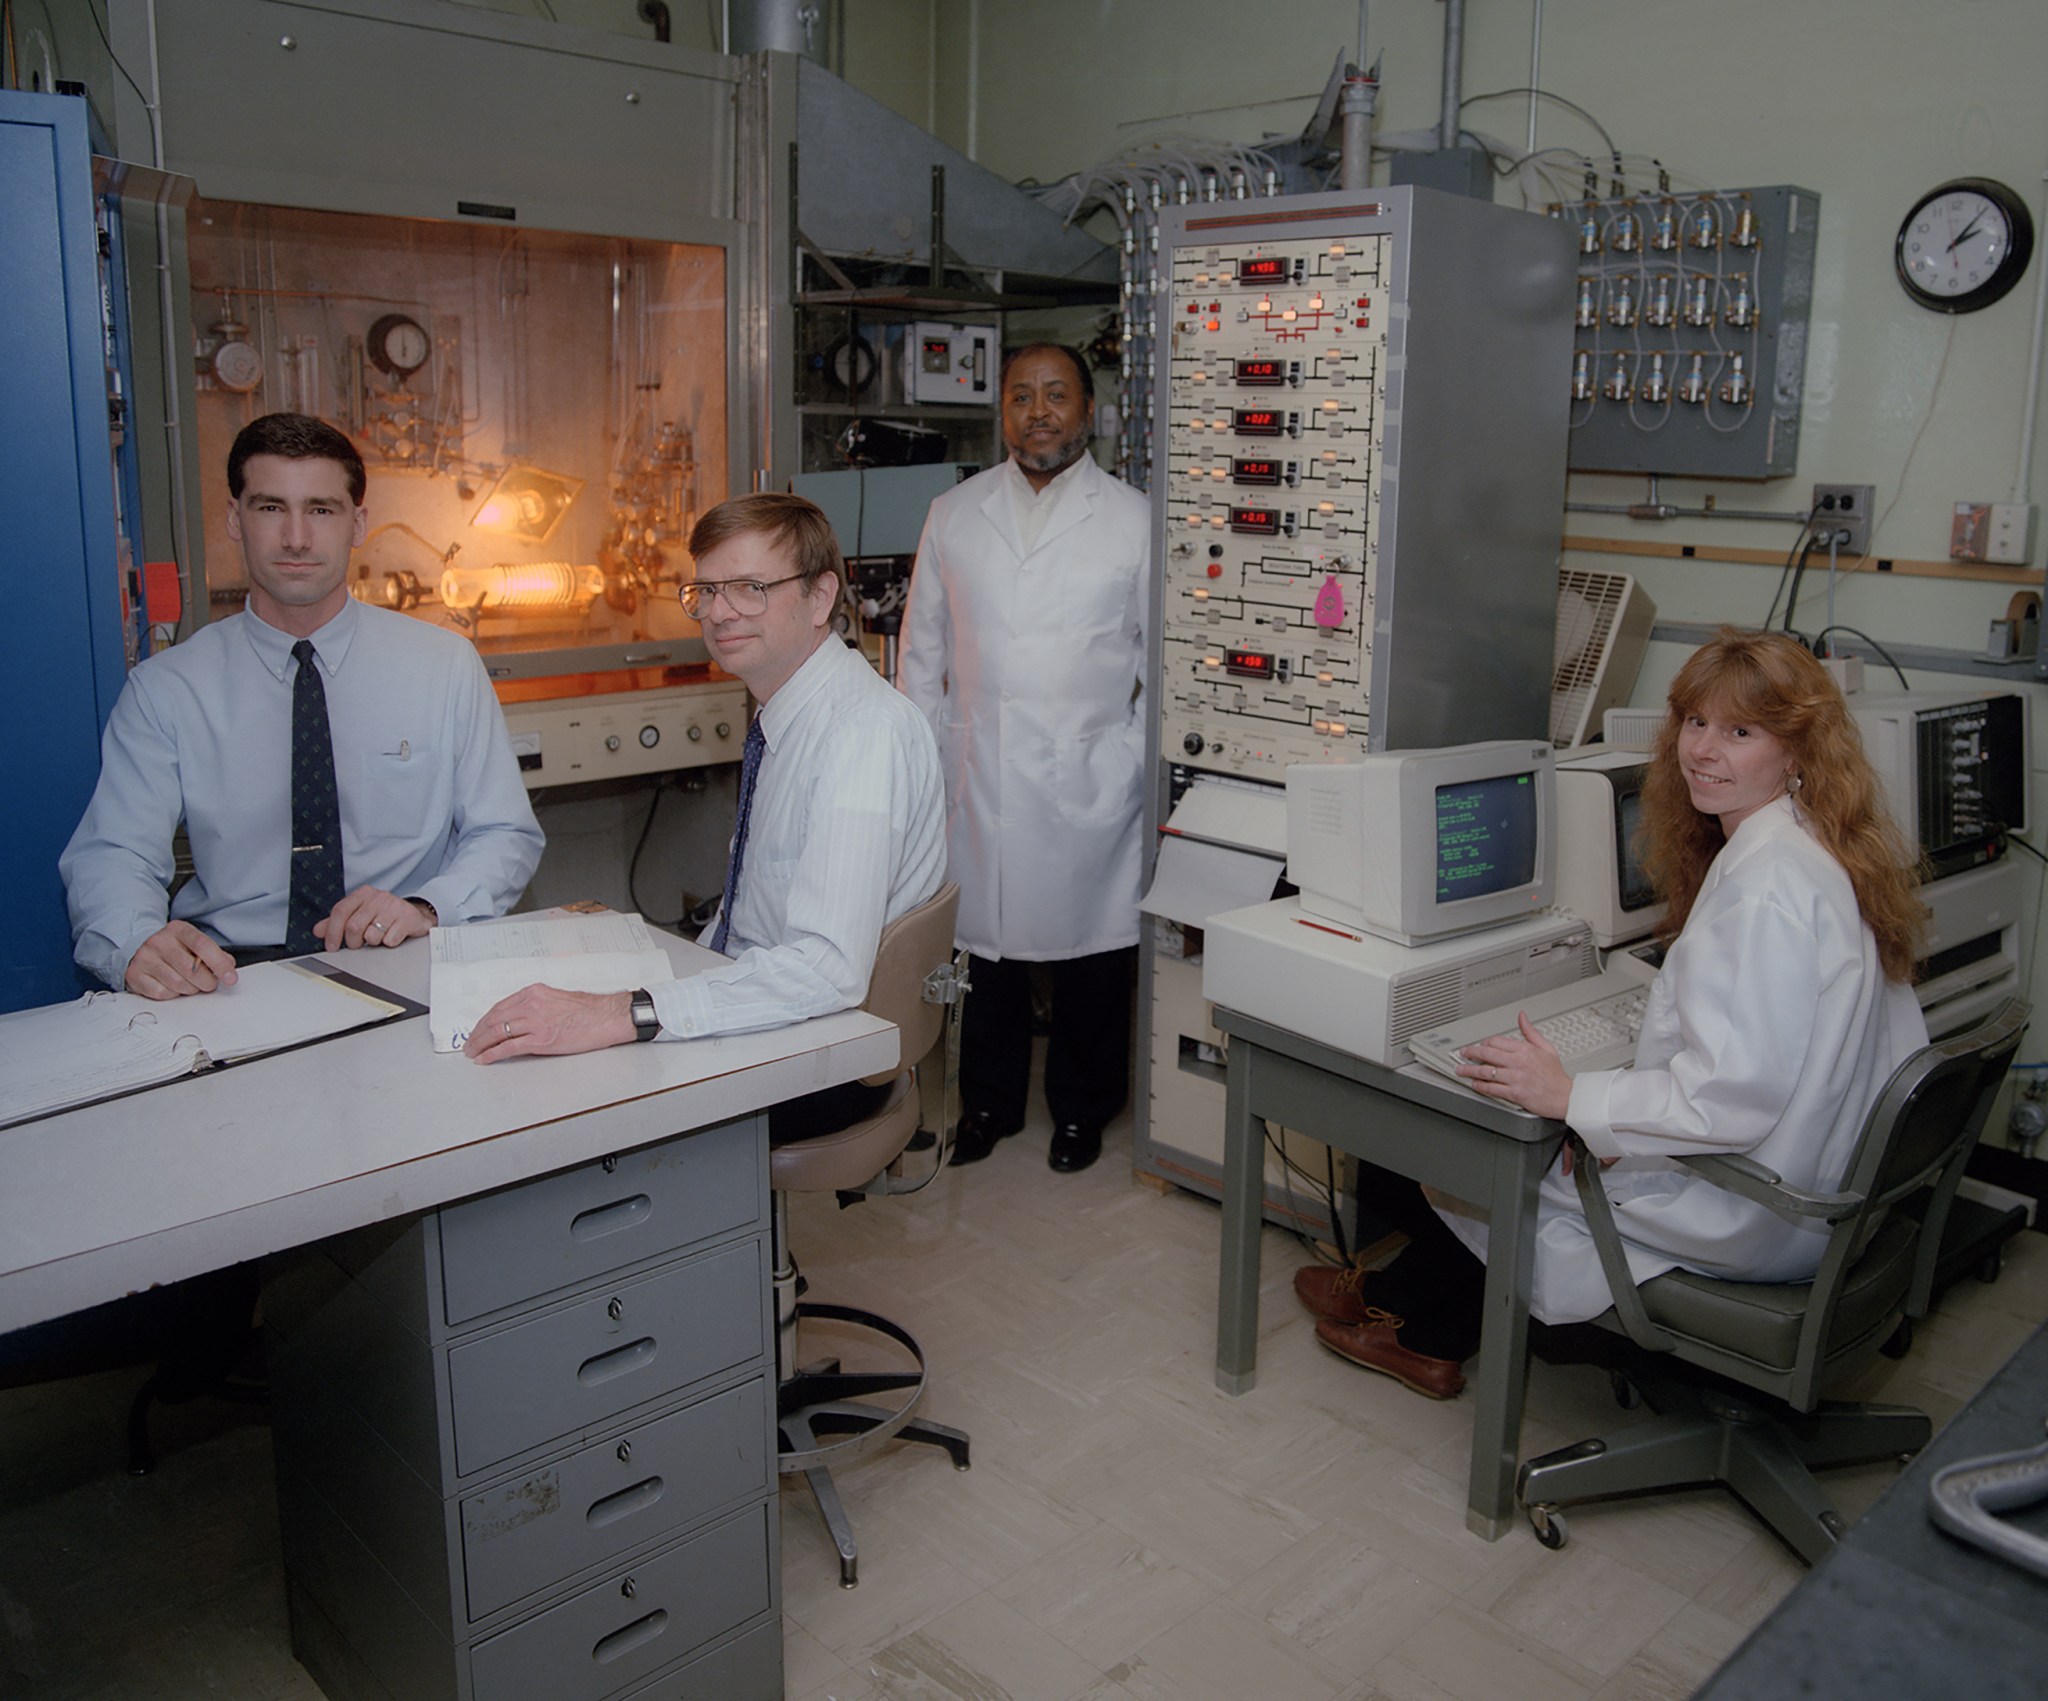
[
  {"x": 750, "y": 771},
  {"x": 316, "y": 808}
]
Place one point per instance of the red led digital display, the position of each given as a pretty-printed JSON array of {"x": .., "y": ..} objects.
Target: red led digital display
[
  {"x": 1258, "y": 422},
  {"x": 1248, "y": 664},
  {"x": 1254, "y": 470},
  {"x": 1270, "y": 269},
  {"x": 1266, "y": 371},
  {"x": 1264, "y": 522}
]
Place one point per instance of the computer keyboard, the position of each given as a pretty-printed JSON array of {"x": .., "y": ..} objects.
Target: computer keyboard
[{"x": 1593, "y": 1023}]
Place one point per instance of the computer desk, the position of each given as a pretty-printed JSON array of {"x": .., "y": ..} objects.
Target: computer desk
[
  {"x": 1417, "y": 1124},
  {"x": 215, "y": 1169}
]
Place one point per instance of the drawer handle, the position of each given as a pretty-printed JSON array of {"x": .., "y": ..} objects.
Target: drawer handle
[
  {"x": 624, "y": 1504},
  {"x": 635, "y": 1635},
  {"x": 622, "y": 1214},
  {"x": 620, "y": 1361}
]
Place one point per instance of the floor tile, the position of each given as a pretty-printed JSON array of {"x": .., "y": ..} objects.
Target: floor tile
[
  {"x": 1344, "y": 1600},
  {"x": 1105, "y": 1594},
  {"x": 1222, "y": 1653},
  {"x": 1465, "y": 1654},
  {"x": 982, "y": 1648}
]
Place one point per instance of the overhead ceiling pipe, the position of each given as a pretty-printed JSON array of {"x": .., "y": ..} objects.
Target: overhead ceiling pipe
[
  {"x": 790, "y": 26},
  {"x": 1454, "y": 73}
]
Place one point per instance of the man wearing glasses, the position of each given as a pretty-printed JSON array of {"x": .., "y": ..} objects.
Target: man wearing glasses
[{"x": 841, "y": 820}]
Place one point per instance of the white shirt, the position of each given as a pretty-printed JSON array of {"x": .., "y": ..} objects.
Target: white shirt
[
  {"x": 1034, "y": 507},
  {"x": 1771, "y": 1031},
  {"x": 847, "y": 833},
  {"x": 431, "y": 801}
]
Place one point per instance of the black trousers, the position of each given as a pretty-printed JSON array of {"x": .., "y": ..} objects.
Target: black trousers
[
  {"x": 1435, "y": 1285},
  {"x": 1088, "y": 1060},
  {"x": 826, "y": 1111}
]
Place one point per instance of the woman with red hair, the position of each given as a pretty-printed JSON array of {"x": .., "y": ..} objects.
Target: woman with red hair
[{"x": 1784, "y": 1004}]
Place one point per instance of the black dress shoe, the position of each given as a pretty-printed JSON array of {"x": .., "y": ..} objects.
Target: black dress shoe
[
  {"x": 977, "y": 1135},
  {"x": 1073, "y": 1148}
]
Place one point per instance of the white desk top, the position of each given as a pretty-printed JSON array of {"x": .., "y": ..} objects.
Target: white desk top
[{"x": 214, "y": 1169}]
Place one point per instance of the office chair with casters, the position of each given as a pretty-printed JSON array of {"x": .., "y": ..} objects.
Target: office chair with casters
[
  {"x": 1750, "y": 1415},
  {"x": 825, "y": 1414}
]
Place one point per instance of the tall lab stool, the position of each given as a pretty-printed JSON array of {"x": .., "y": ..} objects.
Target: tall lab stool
[{"x": 827, "y": 1415}]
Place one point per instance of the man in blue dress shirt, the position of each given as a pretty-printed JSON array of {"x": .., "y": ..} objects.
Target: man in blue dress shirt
[{"x": 435, "y": 823}]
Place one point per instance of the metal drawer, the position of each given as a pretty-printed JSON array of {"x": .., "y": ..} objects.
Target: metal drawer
[
  {"x": 564, "y": 1229},
  {"x": 624, "y": 1629},
  {"x": 574, "y": 1368},
  {"x": 614, "y": 1496},
  {"x": 748, "y": 1668}
]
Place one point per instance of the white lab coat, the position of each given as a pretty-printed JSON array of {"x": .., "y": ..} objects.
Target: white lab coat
[
  {"x": 1770, "y": 1031},
  {"x": 1029, "y": 664}
]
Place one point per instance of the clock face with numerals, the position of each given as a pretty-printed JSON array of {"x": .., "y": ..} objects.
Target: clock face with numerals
[{"x": 1964, "y": 245}]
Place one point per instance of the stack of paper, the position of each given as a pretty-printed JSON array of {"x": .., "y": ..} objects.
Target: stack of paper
[{"x": 475, "y": 966}]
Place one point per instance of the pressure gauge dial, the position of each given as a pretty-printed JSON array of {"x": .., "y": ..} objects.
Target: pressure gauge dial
[
  {"x": 237, "y": 366},
  {"x": 398, "y": 345},
  {"x": 1964, "y": 245}
]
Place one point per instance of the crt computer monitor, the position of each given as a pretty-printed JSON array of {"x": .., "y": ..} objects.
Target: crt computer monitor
[
  {"x": 1954, "y": 768},
  {"x": 1600, "y": 874},
  {"x": 1415, "y": 845}
]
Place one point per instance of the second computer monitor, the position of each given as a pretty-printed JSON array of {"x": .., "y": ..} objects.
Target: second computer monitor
[
  {"x": 1416, "y": 845},
  {"x": 1600, "y": 873}
]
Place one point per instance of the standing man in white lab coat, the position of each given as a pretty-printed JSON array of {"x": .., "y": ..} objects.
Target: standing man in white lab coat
[{"x": 1025, "y": 645}]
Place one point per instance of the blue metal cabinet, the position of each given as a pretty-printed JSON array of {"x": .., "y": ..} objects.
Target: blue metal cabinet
[{"x": 61, "y": 652}]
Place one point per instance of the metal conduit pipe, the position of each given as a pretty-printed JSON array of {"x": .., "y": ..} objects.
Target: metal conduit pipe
[
  {"x": 1454, "y": 69},
  {"x": 1355, "y": 107},
  {"x": 1666, "y": 511}
]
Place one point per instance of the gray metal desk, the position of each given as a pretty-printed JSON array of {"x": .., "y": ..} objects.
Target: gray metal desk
[
  {"x": 216, "y": 1169},
  {"x": 525, "y": 1442},
  {"x": 1418, "y": 1125}
]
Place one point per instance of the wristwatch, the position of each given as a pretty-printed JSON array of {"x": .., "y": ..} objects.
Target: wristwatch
[{"x": 640, "y": 1006}]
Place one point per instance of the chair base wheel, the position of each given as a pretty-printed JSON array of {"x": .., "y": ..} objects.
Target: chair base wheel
[{"x": 1549, "y": 1525}]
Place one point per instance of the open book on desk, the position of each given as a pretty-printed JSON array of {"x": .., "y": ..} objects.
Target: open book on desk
[
  {"x": 476, "y": 965},
  {"x": 107, "y": 1043}
]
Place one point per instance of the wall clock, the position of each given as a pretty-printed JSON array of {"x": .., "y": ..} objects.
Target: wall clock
[{"x": 1964, "y": 245}]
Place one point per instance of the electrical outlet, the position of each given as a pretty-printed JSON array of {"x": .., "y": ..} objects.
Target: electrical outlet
[
  {"x": 2011, "y": 537},
  {"x": 1847, "y": 509}
]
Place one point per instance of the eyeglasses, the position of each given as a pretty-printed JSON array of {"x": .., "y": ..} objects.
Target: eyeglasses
[{"x": 742, "y": 596}]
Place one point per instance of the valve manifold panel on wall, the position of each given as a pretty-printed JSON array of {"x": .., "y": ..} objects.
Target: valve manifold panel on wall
[
  {"x": 1690, "y": 313},
  {"x": 1361, "y": 476}
]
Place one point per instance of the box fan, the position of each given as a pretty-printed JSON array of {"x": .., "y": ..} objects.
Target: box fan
[{"x": 1603, "y": 627}]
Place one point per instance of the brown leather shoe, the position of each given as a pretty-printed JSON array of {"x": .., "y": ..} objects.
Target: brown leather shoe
[
  {"x": 1341, "y": 1294},
  {"x": 1375, "y": 1345}
]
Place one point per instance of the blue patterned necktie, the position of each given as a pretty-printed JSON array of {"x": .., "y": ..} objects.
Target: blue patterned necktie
[
  {"x": 316, "y": 808},
  {"x": 750, "y": 771}
]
